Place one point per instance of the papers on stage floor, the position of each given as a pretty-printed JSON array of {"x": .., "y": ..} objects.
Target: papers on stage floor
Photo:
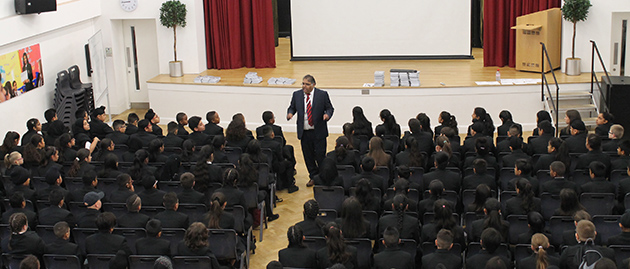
[
  {"x": 207, "y": 79},
  {"x": 368, "y": 84},
  {"x": 518, "y": 81},
  {"x": 252, "y": 78},
  {"x": 281, "y": 81},
  {"x": 487, "y": 83}
]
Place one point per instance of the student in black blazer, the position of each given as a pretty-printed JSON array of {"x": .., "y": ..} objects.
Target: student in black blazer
[
  {"x": 452, "y": 180},
  {"x": 598, "y": 182},
  {"x": 153, "y": 244},
  {"x": 217, "y": 218},
  {"x": 182, "y": 121},
  {"x": 479, "y": 176},
  {"x": 61, "y": 245},
  {"x": 188, "y": 195},
  {"x": 98, "y": 127},
  {"x": 443, "y": 242},
  {"x": 119, "y": 137},
  {"x": 312, "y": 129},
  {"x": 170, "y": 218},
  {"x": 296, "y": 255},
  {"x": 622, "y": 238},
  {"x": 538, "y": 145},
  {"x": 154, "y": 119},
  {"x": 23, "y": 241},
  {"x": 104, "y": 242},
  {"x": 524, "y": 202},
  {"x": 151, "y": 196},
  {"x": 55, "y": 212},
  {"x": 409, "y": 227},
  {"x": 145, "y": 133},
  {"x": 492, "y": 209},
  {"x": 311, "y": 225},
  {"x": 343, "y": 154},
  {"x": 536, "y": 224},
  {"x": 335, "y": 245},
  {"x": 558, "y": 182},
  {"x": 198, "y": 135},
  {"x": 212, "y": 127},
  {"x": 517, "y": 152},
  {"x": 172, "y": 139},
  {"x": 133, "y": 218},
  {"x": 593, "y": 144},
  {"x": 196, "y": 243},
  {"x": 18, "y": 205},
  {"x": 392, "y": 256},
  {"x": 576, "y": 143},
  {"x": 585, "y": 233},
  {"x": 490, "y": 242}
]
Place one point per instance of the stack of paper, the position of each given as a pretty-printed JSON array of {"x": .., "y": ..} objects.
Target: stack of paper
[
  {"x": 280, "y": 81},
  {"x": 404, "y": 79},
  {"x": 414, "y": 79},
  {"x": 394, "y": 79},
  {"x": 252, "y": 78},
  {"x": 207, "y": 79},
  {"x": 379, "y": 78}
]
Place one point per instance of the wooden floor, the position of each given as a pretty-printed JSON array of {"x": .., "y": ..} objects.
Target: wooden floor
[{"x": 353, "y": 74}]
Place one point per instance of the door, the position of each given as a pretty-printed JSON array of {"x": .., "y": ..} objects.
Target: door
[
  {"x": 141, "y": 57},
  {"x": 620, "y": 42}
]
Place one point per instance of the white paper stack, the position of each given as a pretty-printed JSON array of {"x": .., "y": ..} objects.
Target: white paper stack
[
  {"x": 379, "y": 78},
  {"x": 252, "y": 78},
  {"x": 414, "y": 79},
  {"x": 394, "y": 79},
  {"x": 207, "y": 79},
  {"x": 281, "y": 81},
  {"x": 404, "y": 79}
]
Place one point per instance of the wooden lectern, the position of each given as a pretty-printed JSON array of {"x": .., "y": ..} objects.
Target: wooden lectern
[{"x": 531, "y": 29}]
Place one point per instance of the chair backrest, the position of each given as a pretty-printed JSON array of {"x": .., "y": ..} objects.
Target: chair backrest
[
  {"x": 151, "y": 211},
  {"x": 174, "y": 235},
  {"x": 543, "y": 176},
  {"x": 142, "y": 261},
  {"x": 52, "y": 261},
  {"x": 580, "y": 177},
  {"x": 372, "y": 217},
  {"x": 364, "y": 251},
  {"x": 449, "y": 195},
  {"x": 223, "y": 243},
  {"x": 475, "y": 247},
  {"x": 549, "y": 204},
  {"x": 329, "y": 197},
  {"x": 251, "y": 196},
  {"x": 195, "y": 212},
  {"x": 314, "y": 242},
  {"x": 363, "y": 143},
  {"x": 107, "y": 185},
  {"x": 417, "y": 173},
  {"x": 263, "y": 175},
  {"x": 468, "y": 196},
  {"x": 557, "y": 225},
  {"x": 428, "y": 217},
  {"x": 384, "y": 172},
  {"x": 239, "y": 217},
  {"x": 429, "y": 247},
  {"x": 191, "y": 262},
  {"x": 39, "y": 183},
  {"x": 518, "y": 225},
  {"x": 607, "y": 226},
  {"x": 29, "y": 205},
  {"x": 469, "y": 217},
  {"x": 327, "y": 215},
  {"x": 233, "y": 153},
  {"x": 46, "y": 232},
  {"x": 99, "y": 261},
  {"x": 132, "y": 235},
  {"x": 505, "y": 175},
  {"x": 621, "y": 253},
  {"x": 77, "y": 208},
  {"x": 347, "y": 173},
  {"x": 413, "y": 195},
  {"x": 269, "y": 154},
  {"x": 598, "y": 203},
  {"x": 618, "y": 175},
  {"x": 170, "y": 186},
  {"x": 12, "y": 261},
  {"x": 80, "y": 234},
  {"x": 118, "y": 209}
]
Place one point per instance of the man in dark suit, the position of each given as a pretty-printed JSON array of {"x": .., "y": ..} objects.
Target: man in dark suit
[
  {"x": 367, "y": 164},
  {"x": 593, "y": 144},
  {"x": 598, "y": 182},
  {"x": 313, "y": 109},
  {"x": 151, "y": 196},
  {"x": 170, "y": 218},
  {"x": 212, "y": 127},
  {"x": 558, "y": 182},
  {"x": 118, "y": 136},
  {"x": 93, "y": 202},
  {"x": 133, "y": 218},
  {"x": 98, "y": 127},
  {"x": 144, "y": 133},
  {"x": 104, "y": 242},
  {"x": 479, "y": 177},
  {"x": 61, "y": 245},
  {"x": 538, "y": 145},
  {"x": 576, "y": 143},
  {"x": 182, "y": 121},
  {"x": 444, "y": 242},
  {"x": 585, "y": 234},
  {"x": 188, "y": 195},
  {"x": 18, "y": 205},
  {"x": 490, "y": 242},
  {"x": 154, "y": 119},
  {"x": 392, "y": 256},
  {"x": 173, "y": 139},
  {"x": 516, "y": 147},
  {"x": 55, "y": 212},
  {"x": 153, "y": 244},
  {"x": 269, "y": 119},
  {"x": 198, "y": 135}
]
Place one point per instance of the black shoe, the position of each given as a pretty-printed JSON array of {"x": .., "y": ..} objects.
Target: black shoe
[
  {"x": 293, "y": 189},
  {"x": 273, "y": 217}
]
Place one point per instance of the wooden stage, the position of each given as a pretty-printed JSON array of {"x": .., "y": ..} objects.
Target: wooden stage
[{"x": 353, "y": 74}]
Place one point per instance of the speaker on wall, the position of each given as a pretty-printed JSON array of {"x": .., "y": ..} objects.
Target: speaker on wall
[{"x": 34, "y": 6}]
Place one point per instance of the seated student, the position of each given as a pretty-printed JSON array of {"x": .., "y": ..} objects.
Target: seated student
[
  {"x": 132, "y": 124},
  {"x": 182, "y": 122},
  {"x": 492, "y": 210},
  {"x": 269, "y": 119},
  {"x": 18, "y": 205},
  {"x": 516, "y": 147},
  {"x": 482, "y": 193},
  {"x": 585, "y": 235},
  {"x": 423, "y": 138},
  {"x": 452, "y": 180},
  {"x": 568, "y": 236},
  {"x": 576, "y": 143},
  {"x": 55, "y": 130},
  {"x": 55, "y": 212},
  {"x": 515, "y": 130},
  {"x": 61, "y": 244},
  {"x": 198, "y": 135},
  {"x": 351, "y": 220},
  {"x": 106, "y": 147},
  {"x": 212, "y": 127},
  {"x": 536, "y": 224},
  {"x": 490, "y": 241},
  {"x": 411, "y": 156},
  {"x": 110, "y": 167},
  {"x": 217, "y": 218},
  {"x": 444, "y": 144},
  {"x": 156, "y": 151},
  {"x": 368, "y": 200},
  {"x": 188, "y": 195},
  {"x": 479, "y": 176},
  {"x": 525, "y": 200},
  {"x": 558, "y": 182},
  {"x": 33, "y": 152},
  {"x": 476, "y": 133},
  {"x": 343, "y": 154},
  {"x": 593, "y": 144},
  {"x": 119, "y": 137},
  {"x": 90, "y": 182},
  {"x": 598, "y": 182},
  {"x": 50, "y": 115},
  {"x": 367, "y": 164},
  {"x": 541, "y": 258},
  {"x": 401, "y": 186},
  {"x": 233, "y": 195},
  {"x": 98, "y": 127},
  {"x": 538, "y": 145},
  {"x": 436, "y": 188},
  {"x": 311, "y": 225},
  {"x": 329, "y": 175},
  {"x": 93, "y": 202},
  {"x": 443, "y": 219},
  {"x": 170, "y": 218},
  {"x": 196, "y": 243},
  {"x": 205, "y": 171},
  {"x": 133, "y": 218},
  {"x": 81, "y": 165},
  {"x": 523, "y": 169},
  {"x": 172, "y": 139},
  {"x": 30, "y": 262},
  {"x": 296, "y": 255},
  {"x": 218, "y": 143},
  {"x": 615, "y": 134},
  {"x": 151, "y": 196},
  {"x": 153, "y": 244},
  {"x": 569, "y": 203},
  {"x": 145, "y": 133},
  {"x": 621, "y": 162},
  {"x": 604, "y": 121},
  {"x": 392, "y": 256},
  {"x": 336, "y": 250},
  {"x": 21, "y": 178},
  {"x": 622, "y": 238},
  {"x": 154, "y": 119},
  {"x": 236, "y": 134},
  {"x": 558, "y": 151},
  {"x": 54, "y": 180},
  {"x": 34, "y": 127},
  {"x": 407, "y": 225},
  {"x": 104, "y": 242},
  {"x": 125, "y": 189},
  {"x": 506, "y": 122},
  {"x": 50, "y": 160},
  {"x": 283, "y": 167},
  {"x": 134, "y": 145},
  {"x": 21, "y": 240},
  {"x": 443, "y": 242}
]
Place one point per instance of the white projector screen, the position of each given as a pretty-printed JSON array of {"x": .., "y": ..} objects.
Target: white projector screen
[{"x": 367, "y": 29}]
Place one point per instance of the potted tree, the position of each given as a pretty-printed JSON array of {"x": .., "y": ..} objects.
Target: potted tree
[
  {"x": 172, "y": 15},
  {"x": 574, "y": 11}
]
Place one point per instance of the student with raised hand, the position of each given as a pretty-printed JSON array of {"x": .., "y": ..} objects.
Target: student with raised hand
[
  {"x": 443, "y": 242},
  {"x": 296, "y": 255}
]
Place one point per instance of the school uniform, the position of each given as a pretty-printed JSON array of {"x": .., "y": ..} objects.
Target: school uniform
[
  {"x": 153, "y": 246},
  {"x": 393, "y": 257},
  {"x": 442, "y": 256},
  {"x": 133, "y": 220},
  {"x": 298, "y": 257},
  {"x": 173, "y": 219}
]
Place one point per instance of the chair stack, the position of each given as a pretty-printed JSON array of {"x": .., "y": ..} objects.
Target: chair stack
[{"x": 72, "y": 95}]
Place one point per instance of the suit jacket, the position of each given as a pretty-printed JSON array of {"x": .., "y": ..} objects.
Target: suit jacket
[
  {"x": 152, "y": 197},
  {"x": 30, "y": 215},
  {"x": 429, "y": 234},
  {"x": 145, "y": 137},
  {"x": 620, "y": 163},
  {"x": 410, "y": 226},
  {"x": 172, "y": 140},
  {"x": 610, "y": 145},
  {"x": 157, "y": 130},
  {"x": 477, "y": 229},
  {"x": 555, "y": 185},
  {"x": 298, "y": 257},
  {"x": 585, "y": 159},
  {"x": 53, "y": 214},
  {"x": 393, "y": 258},
  {"x": 190, "y": 196},
  {"x": 510, "y": 160},
  {"x": 226, "y": 220},
  {"x": 182, "y": 132},
  {"x": 118, "y": 138},
  {"x": 451, "y": 180},
  {"x": 133, "y": 220},
  {"x": 376, "y": 180},
  {"x": 63, "y": 247},
  {"x": 100, "y": 129},
  {"x": 131, "y": 129},
  {"x": 200, "y": 138},
  {"x": 120, "y": 195},
  {"x": 532, "y": 180},
  {"x": 106, "y": 243},
  {"x": 602, "y": 130},
  {"x": 350, "y": 159},
  {"x": 44, "y": 193},
  {"x": 153, "y": 246},
  {"x": 443, "y": 256},
  {"x": 513, "y": 206},
  {"x": 538, "y": 145},
  {"x": 472, "y": 181},
  {"x": 213, "y": 129},
  {"x": 469, "y": 144},
  {"x": 233, "y": 196},
  {"x": 173, "y": 219},
  {"x": 530, "y": 262},
  {"x": 88, "y": 219},
  {"x": 310, "y": 228},
  {"x": 568, "y": 260},
  {"x": 323, "y": 260},
  {"x": 598, "y": 185},
  {"x": 26, "y": 243},
  {"x": 479, "y": 260},
  {"x": 277, "y": 130},
  {"x": 577, "y": 143},
  {"x": 320, "y": 105}
]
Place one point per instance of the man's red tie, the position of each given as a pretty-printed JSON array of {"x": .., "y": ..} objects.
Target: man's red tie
[{"x": 309, "y": 115}]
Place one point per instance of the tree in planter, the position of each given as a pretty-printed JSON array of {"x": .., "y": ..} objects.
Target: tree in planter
[
  {"x": 575, "y": 11},
  {"x": 173, "y": 14}
]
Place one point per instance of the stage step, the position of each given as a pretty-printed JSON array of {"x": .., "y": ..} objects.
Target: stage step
[{"x": 581, "y": 101}]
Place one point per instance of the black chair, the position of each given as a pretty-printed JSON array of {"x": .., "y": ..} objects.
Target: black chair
[
  {"x": 99, "y": 261},
  {"x": 107, "y": 185},
  {"x": 239, "y": 217},
  {"x": 12, "y": 261},
  {"x": 518, "y": 225},
  {"x": 142, "y": 261},
  {"x": 132, "y": 235},
  {"x": 5, "y": 232},
  {"x": 429, "y": 247},
  {"x": 469, "y": 217},
  {"x": 364, "y": 251},
  {"x": 233, "y": 153},
  {"x": 468, "y": 196},
  {"x": 327, "y": 215},
  {"x": 329, "y": 197},
  {"x": 557, "y": 225},
  {"x": 372, "y": 217},
  {"x": 428, "y": 217},
  {"x": 52, "y": 261},
  {"x": 449, "y": 195},
  {"x": 46, "y": 232},
  {"x": 417, "y": 173},
  {"x": 251, "y": 198},
  {"x": 29, "y": 205},
  {"x": 607, "y": 226},
  {"x": 475, "y": 247},
  {"x": 314, "y": 242},
  {"x": 39, "y": 183},
  {"x": 617, "y": 175},
  {"x": 543, "y": 176},
  {"x": 195, "y": 212},
  {"x": 598, "y": 203},
  {"x": 364, "y": 142},
  {"x": 151, "y": 211},
  {"x": 168, "y": 151},
  {"x": 505, "y": 175},
  {"x": 223, "y": 243},
  {"x": 80, "y": 234},
  {"x": 118, "y": 209},
  {"x": 413, "y": 195},
  {"x": 549, "y": 204},
  {"x": 384, "y": 172},
  {"x": 170, "y": 186},
  {"x": 621, "y": 253},
  {"x": 173, "y": 235},
  {"x": 506, "y": 195},
  {"x": 581, "y": 177},
  {"x": 347, "y": 173}
]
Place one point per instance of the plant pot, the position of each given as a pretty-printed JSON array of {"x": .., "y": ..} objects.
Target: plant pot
[
  {"x": 175, "y": 68},
  {"x": 573, "y": 66}
]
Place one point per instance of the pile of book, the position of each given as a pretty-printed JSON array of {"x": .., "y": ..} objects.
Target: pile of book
[
  {"x": 404, "y": 78},
  {"x": 379, "y": 78},
  {"x": 252, "y": 78},
  {"x": 207, "y": 79}
]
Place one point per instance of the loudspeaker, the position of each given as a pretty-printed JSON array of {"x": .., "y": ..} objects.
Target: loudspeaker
[
  {"x": 34, "y": 6},
  {"x": 617, "y": 92}
]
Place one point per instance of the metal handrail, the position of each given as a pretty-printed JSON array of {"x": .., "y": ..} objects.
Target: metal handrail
[
  {"x": 594, "y": 76},
  {"x": 545, "y": 83}
]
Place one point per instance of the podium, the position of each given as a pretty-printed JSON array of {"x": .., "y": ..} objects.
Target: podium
[{"x": 531, "y": 29}]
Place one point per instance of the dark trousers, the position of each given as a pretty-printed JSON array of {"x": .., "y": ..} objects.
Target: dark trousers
[{"x": 314, "y": 150}]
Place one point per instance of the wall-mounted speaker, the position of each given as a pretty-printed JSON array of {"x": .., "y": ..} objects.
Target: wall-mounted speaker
[{"x": 34, "y": 6}]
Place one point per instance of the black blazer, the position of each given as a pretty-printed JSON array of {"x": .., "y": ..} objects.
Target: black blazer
[
  {"x": 555, "y": 185},
  {"x": 120, "y": 195},
  {"x": 145, "y": 137},
  {"x": 183, "y": 250},
  {"x": 277, "y": 130},
  {"x": 376, "y": 180},
  {"x": 577, "y": 143},
  {"x": 451, "y": 180},
  {"x": 349, "y": 159},
  {"x": 200, "y": 138},
  {"x": 310, "y": 228},
  {"x": 393, "y": 258},
  {"x": 190, "y": 196},
  {"x": 598, "y": 185},
  {"x": 100, "y": 129},
  {"x": 585, "y": 159},
  {"x": 106, "y": 243},
  {"x": 471, "y": 182},
  {"x": 323, "y": 260},
  {"x": 173, "y": 219},
  {"x": 63, "y": 247},
  {"x": 621, "y": 239},
  {"x": 30, "y": 216},
  {"x": 133, "y": 220},
  {"x": 510, "y": 160},
  {"x": 53, "y": 214},
  {"x": 118, "y": 138},
  {"x": 153, "y": 246},
  {"x": 530, "y": 262},
  {"x": 538, "y": 145},
  {"x": 226, "y": 220},
  {"x": 152, "y": 197},
  {"x": 410, "y": 226},
  {"x": 568, "y": 260},
  {"x": 213, "y": 129},
  {"x": 88, "y": 219},
  {"x": 26, "y": 243},
  {"x": 513, "y": 206},
  {"x": 298, "y": 257},
  {"x": 441, "y": 256},
  {"x": 172, "y": 140},
  {"x": 320, "y": 105},
  {"x": 479, "y": 260}
]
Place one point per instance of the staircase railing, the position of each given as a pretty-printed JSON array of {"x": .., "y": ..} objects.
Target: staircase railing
[
  {"x": 594, "y": 80},
  {"x": 555, "y": 102}
]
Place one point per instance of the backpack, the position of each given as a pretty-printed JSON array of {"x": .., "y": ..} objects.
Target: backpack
[{"x": 588, "y": 256}]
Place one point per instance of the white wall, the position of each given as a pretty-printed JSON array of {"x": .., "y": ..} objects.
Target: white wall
[{"x": 597, "y": 27}]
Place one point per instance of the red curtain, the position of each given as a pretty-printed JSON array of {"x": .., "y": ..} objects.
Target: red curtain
[
  {"x": 239, "y": 33},
  {"x": 499, "y": 41}
]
